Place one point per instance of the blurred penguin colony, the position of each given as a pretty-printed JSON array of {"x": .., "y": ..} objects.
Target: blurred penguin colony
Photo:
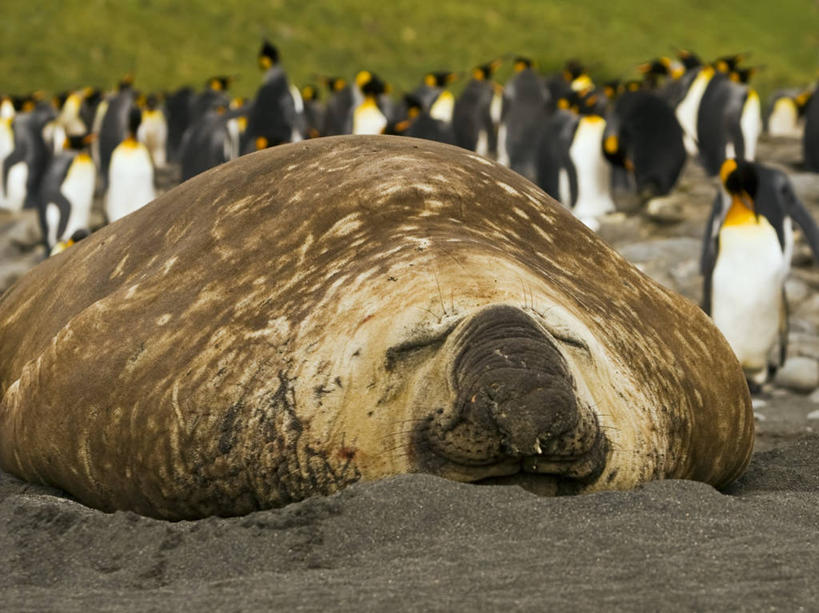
[{"x": 578, "y": 140}]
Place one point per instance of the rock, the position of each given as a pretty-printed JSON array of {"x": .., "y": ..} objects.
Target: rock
[
  {"x": 619, "y": 229},
  {"x": 813, "y": 415},
  {"x": 666, "y": 209},
  {"x": 809, "y": 310},
  {"x": 673, "y": 262},
  {"x": 13, "y": 269},
  {"x": 802, "y": 344},
  {"x": 814, "y": 397},
  {"x": 19, "y": 230},
  {"x": 799, "y": 373},
  {"x": 797, "y": 291}
]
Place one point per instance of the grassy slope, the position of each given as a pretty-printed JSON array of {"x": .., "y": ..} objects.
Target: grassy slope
[{"x": 55, "y": 45}]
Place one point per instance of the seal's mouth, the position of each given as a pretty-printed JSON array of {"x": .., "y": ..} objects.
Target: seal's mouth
[{"x": 542, "y": 474}]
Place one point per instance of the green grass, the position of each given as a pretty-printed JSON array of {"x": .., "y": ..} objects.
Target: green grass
[{"x": 61, "y": 44}]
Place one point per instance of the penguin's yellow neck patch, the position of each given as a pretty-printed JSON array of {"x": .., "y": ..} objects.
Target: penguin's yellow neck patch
[
  {"x": 83, "y": 158},
  {"x": 740, "y": 214},
  {"x": 130, "y": 143}
]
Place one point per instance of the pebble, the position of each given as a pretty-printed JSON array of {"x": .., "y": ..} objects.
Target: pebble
[{"x": 799, "y": 373}]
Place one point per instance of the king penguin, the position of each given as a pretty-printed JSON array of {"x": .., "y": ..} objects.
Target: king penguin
[
  {"x": 7, "y": 113},
  {"x": 810, "y": 138},
  {"x": 273, "y": 116},
  {"x": 153, "y": 130},
  {"x": 67, "y": 192},
  {"x": 746, "y": 257},
  {"x": 130, "y": 174},
  {"x": 472, "y": 115},
  {"x": 786, "y": 109},
  {"x": 729, "y": 121},
  {"x": 338, "y": 114},
  {"x": 179, "y": 106},
  {"x": 23, "y": 168},
  {"x": 525, "y": 100},
  {"x": 368, "y": 118},
  {"x": 644, "y": 136},
  {"x": 571, "y": 166},
  {"x": 113, "y": 127}
]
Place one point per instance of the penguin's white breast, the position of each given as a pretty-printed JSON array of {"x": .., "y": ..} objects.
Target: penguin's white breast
[{"x": 747, "y": 282}]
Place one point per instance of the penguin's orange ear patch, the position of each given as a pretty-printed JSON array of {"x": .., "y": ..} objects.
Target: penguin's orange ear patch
[
  {"x": 261, "y": 143},
  {"x": 728, "y": 166}
]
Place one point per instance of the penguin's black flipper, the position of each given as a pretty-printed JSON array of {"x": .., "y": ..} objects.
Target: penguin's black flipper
[
  {"x": 709, "y": 244},
  {"x": 800, "y": 214},
  {"x": 710, "y": 248}
]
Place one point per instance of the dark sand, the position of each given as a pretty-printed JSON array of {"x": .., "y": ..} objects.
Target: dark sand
[{"x": 418, "y": 542}]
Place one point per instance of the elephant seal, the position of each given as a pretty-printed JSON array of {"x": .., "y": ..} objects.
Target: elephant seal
[{"x": 349, "y": 308}]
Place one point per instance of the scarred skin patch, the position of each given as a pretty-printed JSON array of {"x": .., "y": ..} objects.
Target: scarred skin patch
[{"x": 227, "y": 348}]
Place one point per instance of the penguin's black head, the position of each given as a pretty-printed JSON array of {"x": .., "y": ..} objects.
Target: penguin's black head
[
  {"x": 413, "y": 105},
  {"x": 310, "y": 92},
  {"x": 614, "y": 149},
  {"x": 268, "y": 55},
  {"x": 612, "y": 89},
  {"x": 689, "y": 60},
  {"x": 522, "y": 63},
  {"x": 485, "y": 71},
  {"x": 76, "y": 142},
  {"x": 219, "y": 83},
  {"x": 802, "y": 101},
  {"x": 728, "y": 63},
  {"x": 125, "y": 83},
  {"x": 739, "y": 177},
  {"x": 374, "y": 86},
  {"x": 441, "y": 78},
  {"x": 59, "y": 99},
  {"x": 79, "y": 235},
  {"x": 572, "y": 70},
  {"x": 93, "y": 95},
  {"x": 151, "y": 102},
  {"x": 134, "y": 119},
  {"x": 335, "y": 84},
  {"x": 743, "y": 75}
]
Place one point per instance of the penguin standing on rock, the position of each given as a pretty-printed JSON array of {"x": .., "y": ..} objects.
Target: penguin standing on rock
[
  {"x": 130, "y": 174},
  {"x": 746, "y": 257},
  {"x": 67, "y": 192}
]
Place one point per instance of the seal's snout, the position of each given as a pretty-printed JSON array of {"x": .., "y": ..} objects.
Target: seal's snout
[
  {"x": 514, "y": 406},
  {"x": 511, "y": 379}
]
